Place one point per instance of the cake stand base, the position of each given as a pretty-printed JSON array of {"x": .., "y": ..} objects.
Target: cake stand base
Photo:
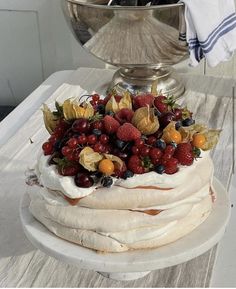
[
  {"x": 142, "y": 79},
  {"x": 124, "y": 276},
  {"x": 137, "y": 263}
]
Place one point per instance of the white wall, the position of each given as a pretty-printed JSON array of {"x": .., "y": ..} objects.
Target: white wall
[{"x": 35, "y": 41}]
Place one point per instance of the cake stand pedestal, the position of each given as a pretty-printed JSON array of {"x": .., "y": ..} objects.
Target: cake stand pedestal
[{"x": 134, "y": 264}]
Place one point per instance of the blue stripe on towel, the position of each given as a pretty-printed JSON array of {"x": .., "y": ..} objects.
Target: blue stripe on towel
[
  {"x": 219, "y": 36},
  {"x": 225, "y": 22},
  {"x": 221, "y": 33}
]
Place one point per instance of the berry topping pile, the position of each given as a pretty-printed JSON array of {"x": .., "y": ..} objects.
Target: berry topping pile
[{"x": 122, "y": 135}]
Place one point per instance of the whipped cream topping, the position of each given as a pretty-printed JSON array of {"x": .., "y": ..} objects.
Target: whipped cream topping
[{"x": 50, "y": 178}]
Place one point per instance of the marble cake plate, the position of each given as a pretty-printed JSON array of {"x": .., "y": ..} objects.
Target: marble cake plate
[{"x": 135, "y": 264}]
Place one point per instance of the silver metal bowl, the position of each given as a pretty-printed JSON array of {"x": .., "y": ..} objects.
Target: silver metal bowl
[{"x": 142, "y": 41}]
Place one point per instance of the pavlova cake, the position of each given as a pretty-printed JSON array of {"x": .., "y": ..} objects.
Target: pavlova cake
[{"x": 124, "y": 172}]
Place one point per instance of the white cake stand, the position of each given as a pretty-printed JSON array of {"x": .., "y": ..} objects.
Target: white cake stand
[{"x": 135, "y": 264}]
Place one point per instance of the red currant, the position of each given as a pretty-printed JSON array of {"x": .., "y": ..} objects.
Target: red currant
[
  {"x": 98, "y": 147},
  {"x": 47, "y": 148},
  {"x": 101, "y": 101},
  {"x": 91, "y": 139},
  {"x": 73, "y": 143},
  {"x": 104, "y": 139},
  {"x": 82, "y": 139},
  {"x": 53, "y": 139},
  {"x": 72, "y": 156},
  {"x": 95, "y": 97},
  {"x": 81, "y": 125},
  {"x": 93, "y": 103},
  {"x": 66, "y": 151}
]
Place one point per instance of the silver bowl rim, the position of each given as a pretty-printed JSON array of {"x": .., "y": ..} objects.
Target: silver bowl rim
[{"x": 153, "y": 7}]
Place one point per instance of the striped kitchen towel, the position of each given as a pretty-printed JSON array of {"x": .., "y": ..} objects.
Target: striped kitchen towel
[{"x": 210, "y": 30}]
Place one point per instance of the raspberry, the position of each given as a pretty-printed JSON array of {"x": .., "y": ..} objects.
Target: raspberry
[
  {"x": 127, "y": 132},
  {"x": 143, "y": 100},
  {"x": 171, "y": 166},
  {"x": 184, "y": 154},
  {"x": 124, "y": 115},
  {"x": 135, "y": 165},
  {"x": 111, "y": 125}
]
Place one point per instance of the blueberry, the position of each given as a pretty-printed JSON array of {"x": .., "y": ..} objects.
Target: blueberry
[
  {"x": 128, "y": 174},
  {"x": 97, "y": 132},
  {"x": 120, "y": 144},
  {"x": 157, "y": 113},
  {"x": 128, "y": 146},
  {"x": 107, "y": 182},
  {"x": 96, "y": 176},
  {"x": 188, "y": 122},
  {"x": 101, "y": 108},
  {"x": 160, "y": 143},
  {"x": 159, "y": 169},
  {"x": 178, "y": 124}
]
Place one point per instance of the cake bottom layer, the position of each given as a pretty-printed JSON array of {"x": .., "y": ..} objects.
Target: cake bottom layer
[{"x": 139, "y": 238}]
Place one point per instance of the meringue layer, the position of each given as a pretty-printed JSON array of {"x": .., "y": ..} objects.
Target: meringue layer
[{"x": 118, "y": 219}]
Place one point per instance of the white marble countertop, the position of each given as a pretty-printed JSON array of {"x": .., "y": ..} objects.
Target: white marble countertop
[{"x": 21, "y": 265}]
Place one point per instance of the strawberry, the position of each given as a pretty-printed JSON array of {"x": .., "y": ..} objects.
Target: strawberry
[
  {"x": 124, "y": 115},
  {"x": 135, "y": 165},
  {"x": 111, "y": 125},
  {"x": 143, "y": 100},
  {"x": 155, "y": 154},
  {"x": 184, "y": 154},
  {"x": 160, "y": 104},
  {"x": 171, "y": 166},
  {"x": 128, "y": 132}
]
